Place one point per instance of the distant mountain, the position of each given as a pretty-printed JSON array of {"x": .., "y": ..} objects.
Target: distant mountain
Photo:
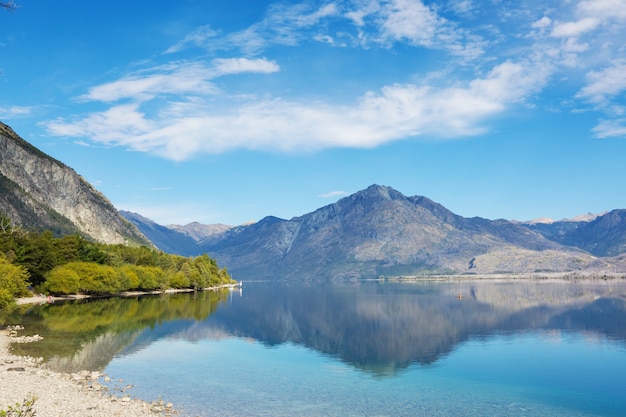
[
  {"x": 604, "y": 236},
  {"x": 166, "y": 239},
  {"x": 38, "y": 192},
  {"x": 553, "y": 230},
  {"x": 202, "y": 234},
  {"x": 601, "y": 235},
  {"x": 379, "y": 231}
]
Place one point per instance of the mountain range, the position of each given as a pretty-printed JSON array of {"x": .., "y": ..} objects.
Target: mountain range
[
  {"x": 374, "y": 232},
  {"x": 381, "y": 232}
]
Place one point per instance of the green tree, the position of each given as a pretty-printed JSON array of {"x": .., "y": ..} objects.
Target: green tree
[
  {"x": 13, "y": 282},
  {"x": 34, "y": 252},
  {"x": 62, "y": 280}
]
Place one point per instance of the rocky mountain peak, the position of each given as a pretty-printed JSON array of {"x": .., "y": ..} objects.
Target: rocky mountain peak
[{"x": 40, "y": 192}]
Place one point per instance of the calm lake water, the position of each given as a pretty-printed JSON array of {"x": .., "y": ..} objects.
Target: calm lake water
[{"x": 367, "y": 349}]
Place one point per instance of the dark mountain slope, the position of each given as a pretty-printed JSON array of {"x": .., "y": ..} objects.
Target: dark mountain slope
[
  {"x": 166, "y": 239},
  {"x": 604, "y": 236}
]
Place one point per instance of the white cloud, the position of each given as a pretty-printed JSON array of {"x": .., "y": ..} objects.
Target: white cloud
[
  {"x": 197, "y": 38},
  {"x": 462, "y": 7},
  {"x": 176, "y": 112},
  {"x": 512, "y": 82},
  {"x": 176, "y": 78},
  {"x": 409, "y": 20},
  {"x": 283, "y": 25},
  {"x": 389, "y": 22},
  {"x": 542, "y": 23},
  {"x": 605, "y": 83},
  {"x": 603, "y": 9},
  {"x": 14, "y": 111},
  {"x": 238, "y": 65},
  {"x": 117, "y": 125},
  {"x": 610, "y": 128},
  {"x": 180, "y": 129},
  {"x": 573, "y": 29},
  {"x": 179, "y": 78},
  {"x": 366, "y": 23},
  {"x": 333, "y": 194}
]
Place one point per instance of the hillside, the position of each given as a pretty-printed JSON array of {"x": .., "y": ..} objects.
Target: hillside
[
  {"x": 379, "y": 231},
  {"x": 602, "y": 236},
  {"x": 39, "y": 192}
]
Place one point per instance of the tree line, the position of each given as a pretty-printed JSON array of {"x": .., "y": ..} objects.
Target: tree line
[{"x": 40, "y": 262}]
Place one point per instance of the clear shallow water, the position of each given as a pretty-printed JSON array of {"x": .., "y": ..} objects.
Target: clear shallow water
[
  {"x": 507, "y": 375},
  {"x": 504, "y": 349}
]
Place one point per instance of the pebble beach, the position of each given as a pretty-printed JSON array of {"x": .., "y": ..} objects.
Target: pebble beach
[{"x": 59, "y": 394}]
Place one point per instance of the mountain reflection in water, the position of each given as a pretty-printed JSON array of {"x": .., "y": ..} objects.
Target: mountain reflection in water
[{"x": 378, "y": 327}]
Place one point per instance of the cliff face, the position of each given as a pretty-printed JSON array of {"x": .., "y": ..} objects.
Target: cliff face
[{"x": 41, "y": 192}]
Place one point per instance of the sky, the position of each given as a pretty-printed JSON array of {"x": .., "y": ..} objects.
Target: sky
[{"x": 227, "y": 112}]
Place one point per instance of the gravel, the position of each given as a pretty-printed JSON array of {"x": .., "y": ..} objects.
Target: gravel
[{"x": 58, "y": 394}]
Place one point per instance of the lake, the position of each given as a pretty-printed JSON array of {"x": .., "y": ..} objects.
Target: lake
[{"x": 482, "y": 348}]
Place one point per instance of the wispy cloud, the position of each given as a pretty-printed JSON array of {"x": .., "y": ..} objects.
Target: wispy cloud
[
  {"x": 197, "y": 38},
  {"x": 179, "y": 78},
  {"x": 395, "y": 112},
  {"x": 375, "y": 23},
  {"x": 14, "y": 111},
  {"x": 573, "y": 29},
  {"x": 589, "y": 37},
  {"x": 605, "y": 83},
  {"x": 333, "y": 194},
  {"x": 283, "y": 24},
  {"x": 610, "y": 128},
  {"x": 172, "y": 110},
  {"x": 223, "y": 66}
]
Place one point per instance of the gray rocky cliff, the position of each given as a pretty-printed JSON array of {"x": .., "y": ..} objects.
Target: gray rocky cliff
[{"x": 36, "y": 181}]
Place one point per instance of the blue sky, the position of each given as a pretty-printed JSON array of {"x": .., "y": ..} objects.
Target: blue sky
[{"x": 225, "y": 112}]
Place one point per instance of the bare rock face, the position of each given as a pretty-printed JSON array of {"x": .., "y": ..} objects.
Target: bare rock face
[{"x": 38, "y": 188}]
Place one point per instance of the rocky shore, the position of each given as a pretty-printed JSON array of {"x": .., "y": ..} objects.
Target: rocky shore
[{"x": 83, "y": 394}]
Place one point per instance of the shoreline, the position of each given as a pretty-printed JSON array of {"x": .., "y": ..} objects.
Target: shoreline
[
  {"x": 512, "y": 277},
  {"x": 61, "y": 394},
  {"x": 45, "y": 299},
  {"x": 84, "y": 393}
]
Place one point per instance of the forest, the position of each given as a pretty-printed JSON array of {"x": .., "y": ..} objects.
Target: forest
[{"x": 39, "y": 262}]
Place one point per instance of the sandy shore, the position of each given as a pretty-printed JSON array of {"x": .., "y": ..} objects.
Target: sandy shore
[{"x": 59, "y": 394}]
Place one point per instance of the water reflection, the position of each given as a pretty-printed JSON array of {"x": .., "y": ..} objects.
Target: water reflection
[
  {"x": 88, "y": 334},
  {"x": 380, "y": 328}
]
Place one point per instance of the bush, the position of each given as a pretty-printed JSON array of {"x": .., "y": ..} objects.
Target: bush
[
  {"x": 13, "y": 282},
  {"x": 127, "y": 277},
  {"x": 62, "y": 280},
  {"x": 87, "y": 277}
]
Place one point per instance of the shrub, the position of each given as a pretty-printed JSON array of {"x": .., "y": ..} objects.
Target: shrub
[
  {"x": 13, "y": 282},
  {"x": 62, "y": 280},
  {"x": 20, "y": 410}
]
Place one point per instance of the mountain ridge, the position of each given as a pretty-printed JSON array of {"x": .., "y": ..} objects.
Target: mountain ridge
[
  {"x": 40, "y": 192},
  {"x": 379, "y": 231}
]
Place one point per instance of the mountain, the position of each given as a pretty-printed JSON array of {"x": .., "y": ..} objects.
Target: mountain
[
  {"x": 601, "y": 235},
  {"x": 166, "y": 239},
  {"x": 379, "y": 231},
  {"x": 203, "y": 234},
  {"x": 604, "y": 236},
  {"x": 39, "y": 192}
]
